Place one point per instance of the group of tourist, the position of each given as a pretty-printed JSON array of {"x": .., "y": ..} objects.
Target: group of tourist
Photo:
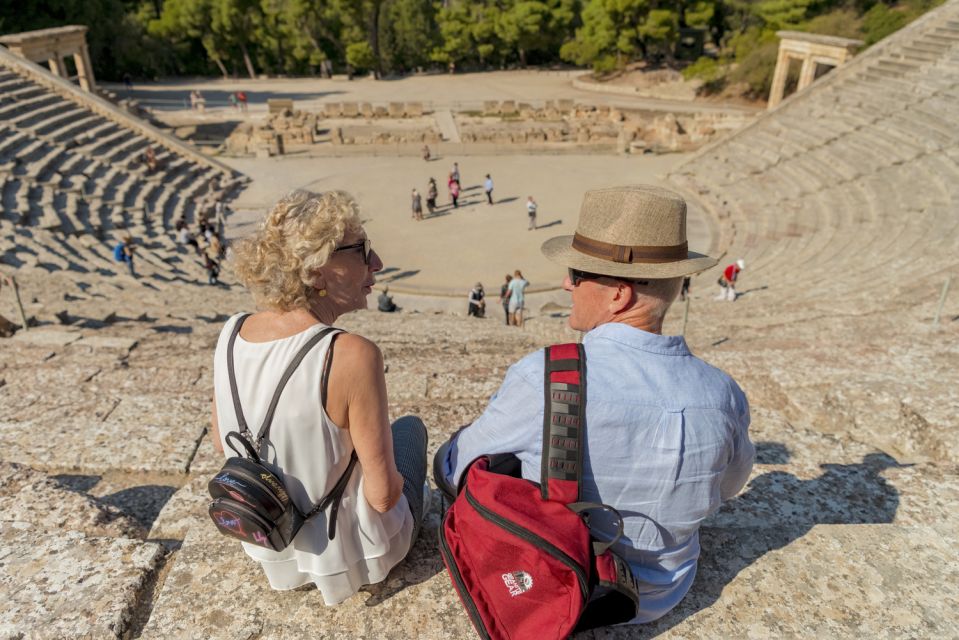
[
  {"x": 667, "y": 433},
  {"x": 238, "y": 100},
  {"x": 207, "y": 241}
]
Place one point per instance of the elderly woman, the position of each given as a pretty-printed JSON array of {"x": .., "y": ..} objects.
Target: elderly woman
[{"x": 309, "y": 263}]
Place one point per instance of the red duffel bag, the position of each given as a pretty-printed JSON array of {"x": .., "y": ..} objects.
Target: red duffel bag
[{"x": 520, "y": 554}]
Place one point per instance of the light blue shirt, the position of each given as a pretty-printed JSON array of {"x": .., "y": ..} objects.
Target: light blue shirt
[
  {"x": 517, "y": 287},
  {"x": 666, "y": 442}
]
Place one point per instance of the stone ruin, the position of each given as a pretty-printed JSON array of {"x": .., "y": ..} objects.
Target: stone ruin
[{"x": 284, "y": 129}]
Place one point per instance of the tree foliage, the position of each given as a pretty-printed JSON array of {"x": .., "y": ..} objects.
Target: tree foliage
[{"x": 300, "y": 37}]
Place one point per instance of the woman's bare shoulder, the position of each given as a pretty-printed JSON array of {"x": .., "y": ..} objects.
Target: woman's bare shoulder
[{"x": 353, "y": 349}]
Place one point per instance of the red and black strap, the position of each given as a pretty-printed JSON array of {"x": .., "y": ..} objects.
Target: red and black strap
[{"x": 564, "y": 423}]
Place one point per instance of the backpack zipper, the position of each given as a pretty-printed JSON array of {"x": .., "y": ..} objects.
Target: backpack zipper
[
  {"x": 532, "y": 538},
  {"x": 256, "y": 485},
  {"x": 471, "y": 609}
]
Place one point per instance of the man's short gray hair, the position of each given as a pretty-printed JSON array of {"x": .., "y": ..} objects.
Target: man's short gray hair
[{"x": 658, "y": 294}]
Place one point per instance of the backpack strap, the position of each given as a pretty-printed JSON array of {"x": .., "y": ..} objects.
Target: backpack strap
[
  {"x": 564, "y": 423},
  {"x": 240, "y": 419},
  {"x": 297, "y": 359}
]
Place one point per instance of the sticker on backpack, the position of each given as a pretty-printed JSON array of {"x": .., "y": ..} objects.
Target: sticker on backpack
[{"x": 518, "y": 582}]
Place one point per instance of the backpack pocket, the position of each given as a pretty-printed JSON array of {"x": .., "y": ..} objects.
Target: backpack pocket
[{"x": 239, "y": 521}]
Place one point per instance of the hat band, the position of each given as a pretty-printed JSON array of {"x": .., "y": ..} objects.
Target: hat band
[{"x": 629, "y": 254}]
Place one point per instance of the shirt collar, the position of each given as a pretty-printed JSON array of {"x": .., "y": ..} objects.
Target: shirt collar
[{"x": 638, "y": 339}]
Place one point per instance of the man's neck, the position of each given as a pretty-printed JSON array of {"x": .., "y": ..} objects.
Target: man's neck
[{"x": 639, "y": 318}]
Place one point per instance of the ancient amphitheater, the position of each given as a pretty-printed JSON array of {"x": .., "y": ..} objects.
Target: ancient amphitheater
[{"x": 844, "y": 201}]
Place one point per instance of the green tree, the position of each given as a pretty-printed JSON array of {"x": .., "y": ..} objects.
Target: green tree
[
  {"x": 408, "y": 33},
  {"x": 617, "y": 31}
]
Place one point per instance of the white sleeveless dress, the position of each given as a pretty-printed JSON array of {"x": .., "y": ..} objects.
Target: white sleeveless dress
[{"x": 310, "y": 453}]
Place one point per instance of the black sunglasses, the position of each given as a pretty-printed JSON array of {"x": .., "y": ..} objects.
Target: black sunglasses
[
  {"x": 576, "y": 276},
  {"x": 365, "y": 245}
]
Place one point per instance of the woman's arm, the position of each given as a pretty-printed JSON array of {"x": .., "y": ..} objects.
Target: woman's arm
[
  {"x": 357, "y": 401},
  {"x": 215, "y": 429}
]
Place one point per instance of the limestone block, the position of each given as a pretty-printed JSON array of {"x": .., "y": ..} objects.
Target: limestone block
[
  {"x": 37, "y": 502},
  {"x": 350, "y": 110},
  {"x": 213, "y": 581},
  {"x": 491, "y": 107},
  {"x": 47, "y": 337},
  {"x": 63, "y": 584},
  {"x": 396, "y": 109},
  {"x": 508, "y": 106},
  {"x": 186, "y": 509},
  {"x": 414, "y": 109},
  {"x": 168, "y": 430},
  {"x": 836, "y": 581},
  {"x": 333, "y": 110},
  {"x": 380, "y": 112},
  {"x": 336, "y": 136},
  {"x": 112, "y": 343},
  {"x": 366, "y": 110},
  {"x": 565, "y": 105}
]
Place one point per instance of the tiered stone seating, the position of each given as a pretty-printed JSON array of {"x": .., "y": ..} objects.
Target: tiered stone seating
[
  {"x": 73, "y": 166},
  {"x": 878, "y": 136}
]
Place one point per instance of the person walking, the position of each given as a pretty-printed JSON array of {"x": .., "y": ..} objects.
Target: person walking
[
  {"x": 241, "y": 96},
  {"x": 455, "y": 173},
  {"x": 431, "y": 193},
  {"x": 417, "y": 205},
  {"x": 531, "y": 212},
  {"x": 454, "y": 191},
  {"x": 727, "y": 281},
  {"x": 504, "y": 295},
  {"x": 517, "y": 297},
  {"x": 426, "y": 152},
  {"x": 123, "y": 252},
  {"x": 488, "y": 186}
]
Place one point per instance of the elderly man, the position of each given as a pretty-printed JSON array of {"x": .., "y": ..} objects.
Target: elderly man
[{"x": 667, "y": 434}]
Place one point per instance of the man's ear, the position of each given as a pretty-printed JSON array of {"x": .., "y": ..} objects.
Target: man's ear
[{"x": 623, "y": 297}]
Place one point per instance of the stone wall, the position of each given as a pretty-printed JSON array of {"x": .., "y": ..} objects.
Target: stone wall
[{"x": 281, "y": 130}]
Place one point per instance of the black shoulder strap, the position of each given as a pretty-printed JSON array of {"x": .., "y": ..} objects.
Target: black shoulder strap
[
  {"x": 240, "y": 419},
  {"x": 564, "y": 423},
  {"x": 297, "y": 359}
]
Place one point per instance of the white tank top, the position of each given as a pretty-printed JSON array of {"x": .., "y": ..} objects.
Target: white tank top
[{"x": 309, "y": 452}]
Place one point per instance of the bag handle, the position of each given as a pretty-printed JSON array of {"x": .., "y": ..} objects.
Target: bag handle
[
  {"x": 599, "y": 548},
  {"x": 564, "y": 423}
]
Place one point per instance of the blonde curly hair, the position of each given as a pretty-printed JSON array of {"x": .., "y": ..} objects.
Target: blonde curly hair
[{"x": 297, "y": 237}]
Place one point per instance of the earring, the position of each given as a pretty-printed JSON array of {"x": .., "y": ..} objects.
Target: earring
[{"x": 321, "y": 293}]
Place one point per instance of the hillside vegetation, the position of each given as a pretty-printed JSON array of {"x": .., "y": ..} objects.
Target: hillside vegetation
[{"x": 150, "y": 38}]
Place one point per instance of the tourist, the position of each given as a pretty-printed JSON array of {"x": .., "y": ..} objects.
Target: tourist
[
  {"x": 667, "y": 434},
  {"x": 212, "y": 267},
  {"x": 385, "y": 301},
  {"x": 684, "y": 291},
  {"x": 727, "y": 281},
  {"x": 504, "y": 296},
  {"x": 150, "y": 157},
  {"x": 455, "y": 173},
  {"x": 200, "y": 102},
  {"x": 431, "y": 194},
  {"x": 531, "y": 212},
  {"x": 241, "y": 97},
  {"x": 417, "y": 205},
  {"x": 488, "y": 187},
  {"x": 477, "y": 302},
  {"x": 309, "y": 263},
  {"x": 128, "y": 84},
  {"x": 517, "y": 298},
  {"x": 194, "y": 99},
  {"x": 454, "y": 191},
  {"x": 426, "y": 152},
  {"x": 234, "y": 102},
  {"x": 123, "y": 252}
]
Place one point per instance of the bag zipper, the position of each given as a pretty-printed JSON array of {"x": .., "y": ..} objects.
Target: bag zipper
[
  {"x": 256, "y": 484},
  {"x": 532, "y": 538},
  {"x": 471, "y": 609}
]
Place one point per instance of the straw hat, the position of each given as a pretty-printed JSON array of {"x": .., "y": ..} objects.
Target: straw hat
[{"x": 629, "y": 232}]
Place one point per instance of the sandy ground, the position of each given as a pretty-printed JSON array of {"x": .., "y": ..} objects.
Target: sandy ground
[
  {"x": 446, "y": 254},
  {"x": 437, "y": 91}
]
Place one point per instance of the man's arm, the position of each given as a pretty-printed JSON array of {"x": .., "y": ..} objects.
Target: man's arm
[
  {"x": 744, "y": 453},
  {"x": 511, "y": 423}
]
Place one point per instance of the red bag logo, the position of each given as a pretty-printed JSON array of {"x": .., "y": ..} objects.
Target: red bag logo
[{"x": 518, "y": 582}]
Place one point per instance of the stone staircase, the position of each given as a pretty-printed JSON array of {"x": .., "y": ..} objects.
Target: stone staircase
[
  {"x": 846, "y": 529},
  {"x": 846, "y": 195},
  {"x": 73, "y": 181}
]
